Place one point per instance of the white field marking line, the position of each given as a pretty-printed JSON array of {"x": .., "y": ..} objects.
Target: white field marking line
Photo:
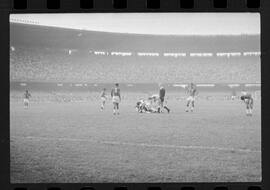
[{"x": 141, "y": 144}]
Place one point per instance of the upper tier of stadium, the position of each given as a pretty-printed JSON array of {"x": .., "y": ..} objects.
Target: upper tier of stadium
[
  {"x": 49, "y": 54},
  {"x": 45, "y": 36}
]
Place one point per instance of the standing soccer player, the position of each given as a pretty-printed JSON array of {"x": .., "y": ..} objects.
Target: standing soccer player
[
  {"x": 26, "y": 95},
  {"x": 247, "y": 98},
  {"x": 103, "y": 98},
  {"x": 192, "y": 92},
  {"x": 116, "y": 98},
  {"x": 162, "y": 93}
]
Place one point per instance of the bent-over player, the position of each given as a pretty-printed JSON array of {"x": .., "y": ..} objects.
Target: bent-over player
[
  {"x": 192, "y": 92},
  {"x": 26, "y": 95},
  {"x": 116, "y": 98},
  {"x": 247, "y": 98}
]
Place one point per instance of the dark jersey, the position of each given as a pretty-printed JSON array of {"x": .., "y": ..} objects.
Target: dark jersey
[
  {"x": 162, "y": 93},
  {"x": 27, "y": 95},
  {"x": 246, "y": 97}
]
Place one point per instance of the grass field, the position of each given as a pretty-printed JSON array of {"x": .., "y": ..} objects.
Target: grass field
[{"x": 76, "y": 142}]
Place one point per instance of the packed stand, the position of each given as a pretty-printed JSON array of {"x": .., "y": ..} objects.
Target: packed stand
[{"x": 57, "y": 65}]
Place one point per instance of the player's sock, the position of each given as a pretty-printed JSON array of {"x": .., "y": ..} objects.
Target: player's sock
[
  {"x": 247, "y": 111},
  {"x": 113, "y": 111}
]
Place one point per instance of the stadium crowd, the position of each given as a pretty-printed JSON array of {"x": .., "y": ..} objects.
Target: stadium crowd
[{"x": 58, "y": 65}]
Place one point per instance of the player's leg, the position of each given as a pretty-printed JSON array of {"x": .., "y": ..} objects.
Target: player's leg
[
  {"x": 188, "y": 104},
  {"x": 168, "y": 110},
  {"x": 117, "y": 108},
  {"x": 26, "y": 103},
  {"x": 250, "y": 107},
  {"x": 114, "y": 108},
  {"x": 142, "y": 109},
  {"x": 192, "y": 104},
  {"x": 160, "y": 102},
  {"x": 158, "y": 106},
  {"x": 165, "y": 106},
  {"x": 102, "y": 104},
  {"x": 247, "y": 107}
]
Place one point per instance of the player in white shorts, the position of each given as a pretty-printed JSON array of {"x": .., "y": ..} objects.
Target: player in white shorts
[
  {"x": 26, "y": 95},
  {"x": 192, "y": 92},
  {"x": 116, "y": 98},
  {"x": 103, "y": 98}
]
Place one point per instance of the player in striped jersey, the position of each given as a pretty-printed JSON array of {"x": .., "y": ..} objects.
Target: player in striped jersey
[{"x": 116, "y": 98}]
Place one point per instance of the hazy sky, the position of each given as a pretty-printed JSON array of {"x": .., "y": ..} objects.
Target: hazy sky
[{"x": 153, "y": 23}]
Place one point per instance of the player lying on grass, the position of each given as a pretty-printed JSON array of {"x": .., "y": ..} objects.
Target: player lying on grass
[
  {"x": 247, "y": 98},
  {"x": 145, "y": 106},
  {"x": 151, "y": 105},
  {"x": 192, "y": 92}
]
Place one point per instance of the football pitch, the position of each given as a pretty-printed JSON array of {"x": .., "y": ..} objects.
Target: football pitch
[{"x": 75, "y": 142}]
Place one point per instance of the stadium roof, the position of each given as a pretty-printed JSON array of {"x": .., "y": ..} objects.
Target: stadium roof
[
  {"x": 150, "y": 23},
  {"x": 44, "y": 36}
]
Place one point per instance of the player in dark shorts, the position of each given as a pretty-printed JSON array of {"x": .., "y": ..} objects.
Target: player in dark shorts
[
  {"x": 26, "y": 97},
  {"x": 162, "y": 93},
  {"x": 247, "y": 98},
  {"x": 116, "y": 98}
]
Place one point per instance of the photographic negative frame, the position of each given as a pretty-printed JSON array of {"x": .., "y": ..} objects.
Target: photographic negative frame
[{"x": 14, "y": 7}]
